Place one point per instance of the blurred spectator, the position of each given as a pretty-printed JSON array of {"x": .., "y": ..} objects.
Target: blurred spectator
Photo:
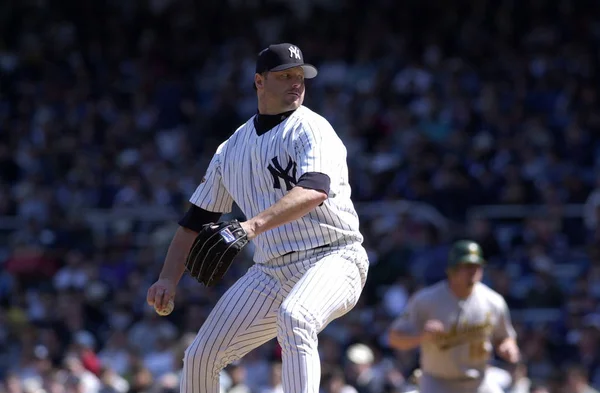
[
  {"x": 145, "y": 334},
  {"x": 577, "y": 381},
  {"x": 116, "y": 353},
  {"x": 112, "y": 382},
  {"x": 539, "y": 389},
  {"x": 361, "y": 370},
  {"x": 83, "y": 346},
  {"x": 334, "y": 381},
  {"x": 80, "y": 379},
  {"x": 274, "y": 385},
  {"x": 73, "y": 274},
  {"x": 237, "y": 373},
  {"x": 12, "y": 384},
  {"x": 591, "y": 212},
  {"x": 544, "y": 292},
  {"x": 586, "y": 353},
  {"x": 520, "y": 381},
  {"x": 481, "y": 230},
  {"x": 262, "y": 371},
  {"x": 160, "y": 361},
  {"x": 141, "y": 380}
]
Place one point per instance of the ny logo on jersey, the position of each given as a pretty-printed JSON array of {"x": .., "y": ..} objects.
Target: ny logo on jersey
[
  {"x": 294, "y": 52},
  {"x": 279, "y": 173}
]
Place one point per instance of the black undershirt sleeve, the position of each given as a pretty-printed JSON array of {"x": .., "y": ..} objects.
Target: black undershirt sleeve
[
  {"x": 196, "y": 217},
  {"x": 315, "y": 181}
]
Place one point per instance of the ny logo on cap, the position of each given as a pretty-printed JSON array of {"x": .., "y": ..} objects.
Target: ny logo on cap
[{"x": 294, "y": 52}]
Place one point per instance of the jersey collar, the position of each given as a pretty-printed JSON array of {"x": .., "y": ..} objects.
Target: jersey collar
[{"x": 264, "y": 123}]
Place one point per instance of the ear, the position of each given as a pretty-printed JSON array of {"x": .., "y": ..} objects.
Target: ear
[{"x": 259, "y": 81}]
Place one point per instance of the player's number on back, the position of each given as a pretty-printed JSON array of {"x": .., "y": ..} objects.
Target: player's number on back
[{"x": 478, "y": 351}]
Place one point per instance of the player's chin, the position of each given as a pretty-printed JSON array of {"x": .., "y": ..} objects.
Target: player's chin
[{"x": 293, "y": 100}]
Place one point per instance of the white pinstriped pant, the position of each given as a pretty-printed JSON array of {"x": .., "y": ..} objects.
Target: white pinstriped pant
[{"x": 292, "y": 298}]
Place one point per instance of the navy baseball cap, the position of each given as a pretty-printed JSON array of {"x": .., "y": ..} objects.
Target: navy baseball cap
[{"x": 279, "y": 57}]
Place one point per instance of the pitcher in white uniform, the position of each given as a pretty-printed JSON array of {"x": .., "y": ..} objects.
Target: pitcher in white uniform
[
  {"x": 286, "y": 169},
  {"x": 457, "y": 323}
]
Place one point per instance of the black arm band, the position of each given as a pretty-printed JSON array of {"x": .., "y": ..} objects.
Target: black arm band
[
  {"x": 315, "y": 181},
  {"x": 196, "y": 217}
]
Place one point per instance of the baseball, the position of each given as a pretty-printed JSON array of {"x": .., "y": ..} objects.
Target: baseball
[{"x": 167, "y": 310}]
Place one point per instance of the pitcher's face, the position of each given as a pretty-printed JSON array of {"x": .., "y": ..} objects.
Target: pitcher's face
[{"x": 282, "y": 89}]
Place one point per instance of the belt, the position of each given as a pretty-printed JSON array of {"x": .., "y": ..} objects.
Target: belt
[{"x": 314, "y": 248}]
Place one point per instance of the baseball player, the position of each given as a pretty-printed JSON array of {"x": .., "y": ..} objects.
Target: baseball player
[
  {"x": 286, "y": 169},
  {"x": 457, "y": 323}
]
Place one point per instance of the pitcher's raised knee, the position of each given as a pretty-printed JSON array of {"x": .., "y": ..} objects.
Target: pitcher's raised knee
[{"x": 296, "y": 324}]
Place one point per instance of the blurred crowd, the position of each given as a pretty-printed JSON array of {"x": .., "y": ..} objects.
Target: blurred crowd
[{"x": 110, "y": 111}]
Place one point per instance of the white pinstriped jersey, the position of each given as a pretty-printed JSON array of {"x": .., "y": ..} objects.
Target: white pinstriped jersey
[{"x": 256, "y": 171}]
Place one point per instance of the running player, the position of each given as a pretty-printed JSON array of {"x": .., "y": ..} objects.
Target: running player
[
  {"x": 457, "y": 323},
  {"x": 286, "y": 169}
]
